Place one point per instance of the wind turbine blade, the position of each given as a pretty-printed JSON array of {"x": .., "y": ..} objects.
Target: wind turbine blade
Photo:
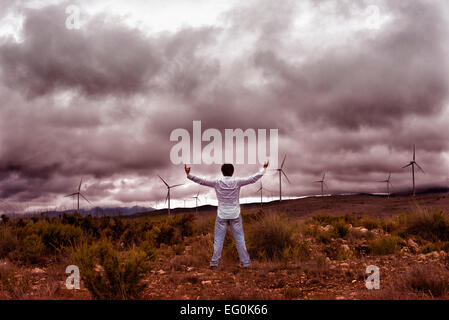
[
  {"x": 259, "y": 189},
  {"x": 419, "y": 167},
  {"x": 389, "y": 176},
  {"x": 176, "y": 185},
  {"x": 79, "y": 187},
  {"x": 85, "y": 198},
  {"x": 71, "y": 195},
  {"x": 283, "y": 161},
  {"x": 414, "y": 152},
  {"x": 324, "y": 176},
  {"x": 406, "y": 166},
  {"x": 163, "y": 181},
  {"x": 285, "y": 176}
]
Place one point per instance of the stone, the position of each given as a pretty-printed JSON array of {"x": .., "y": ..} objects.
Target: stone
[
  {"x": 412, "y": 245},
  {"x": 37, "y": 270},
  {"x": 99, "y": 268}
]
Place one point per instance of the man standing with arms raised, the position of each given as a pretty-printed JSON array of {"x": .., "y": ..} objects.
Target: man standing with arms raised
[{"x": 227, "y": 189}]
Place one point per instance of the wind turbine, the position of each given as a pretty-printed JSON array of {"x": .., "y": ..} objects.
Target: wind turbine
[
  {"x": 281, "y": 172},
  {"x": 197, "y": 198},
  {"x": 261, "y": 190},
  {"x": 413, "y": 163},
  {"x": 168, "y": 191},
  {"x": 322, "y": 181},
  {"x": 387, "y": 181},
  {"x": 78, "y": 194}
]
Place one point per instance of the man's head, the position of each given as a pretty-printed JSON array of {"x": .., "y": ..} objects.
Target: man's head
[{"x": 227, "y": 169}]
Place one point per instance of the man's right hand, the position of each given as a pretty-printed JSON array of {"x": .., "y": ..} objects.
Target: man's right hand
[{"x": 187, "y": 169}]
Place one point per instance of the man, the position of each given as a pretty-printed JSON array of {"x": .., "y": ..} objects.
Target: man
[{"x": 227, "y": 189}]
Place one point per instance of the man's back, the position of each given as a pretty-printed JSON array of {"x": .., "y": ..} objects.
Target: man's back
[{"x": 228, "y": 192}]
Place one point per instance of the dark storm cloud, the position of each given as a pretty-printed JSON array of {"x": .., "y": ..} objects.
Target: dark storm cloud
[
  {"x": 376, "y": 80},
  {"x": 101, "y": 101},
  {"x": 104, "y": 59}
]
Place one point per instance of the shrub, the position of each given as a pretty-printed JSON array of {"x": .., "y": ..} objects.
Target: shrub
[
  {"x": 32, "y": 250},
  {"x": 340, "y": 228},
  {"x": 149, "y": 250},
  {"x": 8, "y": 242},
  {"x": 56, "y": 236},
  {"x": 325, "y": 219},
  {"x": 109, "y": 275},
  {"x": 429, "y": 279},
  {"x": 302, "y": 251},
  {"x": 292, "y": 292},
  {"x": 269, "y": 236},
  {"x": 249, "y": 217},
  {"x": 164, "y": 233},
  {"x": 384, "y": 245},
  {"x": 428, "y": 226},
  {"x": 324, "y": 236},
  {"x": 184, "y": 222},
  {"x": 370, "y": 223},
  {"x": 204, "y": 225},
  {"x": 435, "y": 246}
]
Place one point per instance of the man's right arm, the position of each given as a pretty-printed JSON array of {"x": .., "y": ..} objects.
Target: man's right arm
[{"x": 202, "y": 181}]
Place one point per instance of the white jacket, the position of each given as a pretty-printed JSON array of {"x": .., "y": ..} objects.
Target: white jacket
[{"x": 228, "y": 192}]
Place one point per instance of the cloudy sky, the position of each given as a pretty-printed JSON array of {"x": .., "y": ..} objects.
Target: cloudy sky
[{"x": 351, "y": 86}]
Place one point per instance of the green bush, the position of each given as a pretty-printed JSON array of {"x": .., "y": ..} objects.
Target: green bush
[
  {"x": 8, "y": 242},
  {"x": 370, "y": 223},
  {"x": 184, "y": 222},
  {"x": 324, "y": 236},
  {"x": 428, "y": 226},
  {"x": 384, "y": 245},
  {"x": 340, "y": 228},
  {"x": 325, "y": 219},
  {"x": 302, "y": 251},
  {"x": 435, "y": 246},
  {"x": 31, "y": 250},
  {"x": 428, "y": 279},
  {"x": 108, "y": 274},
  {"x": 269, "y": 236},
  {"x": 56, "y": 236},
  {"x": 149, "y": 249}
]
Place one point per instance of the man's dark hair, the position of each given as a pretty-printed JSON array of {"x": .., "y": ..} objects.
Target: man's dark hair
[{"x": 227, "y": 169}]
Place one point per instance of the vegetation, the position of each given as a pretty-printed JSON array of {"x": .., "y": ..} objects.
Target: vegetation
[{"x": 119, "y": 256}]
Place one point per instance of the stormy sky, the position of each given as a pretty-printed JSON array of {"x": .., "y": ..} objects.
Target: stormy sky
[{"x": 351, "y": 86}]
